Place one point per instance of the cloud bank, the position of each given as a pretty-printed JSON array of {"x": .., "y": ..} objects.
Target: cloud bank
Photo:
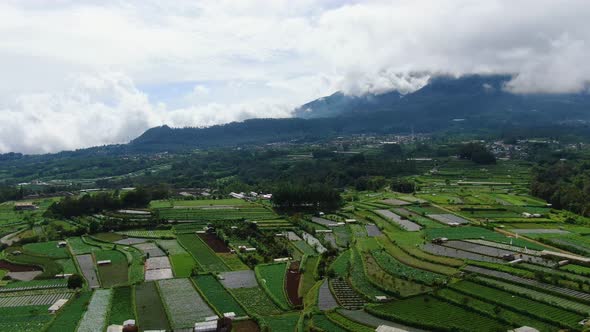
[{"x": 83, "y": 73}]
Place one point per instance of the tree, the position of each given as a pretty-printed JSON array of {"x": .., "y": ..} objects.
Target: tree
[
  {"x": 75, "y": 281},
  {"x": 477, "y": 153}
]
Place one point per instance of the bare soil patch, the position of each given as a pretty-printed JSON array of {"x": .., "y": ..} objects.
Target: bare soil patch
[
  {"x": 292, "y": 284},
  {"x": 246, "y": 326},
  {"x": 214, "y": 243},
  {"x": 5, "y": 265}
]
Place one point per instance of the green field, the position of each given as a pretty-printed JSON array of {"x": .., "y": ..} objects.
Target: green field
[
  {"x": 559, "y": 316},
  {"x": 430, "y": 313},
  {"x": 150, "y": 310},
  {"x": 68, "y": 317},
  {"x": 282, "y": 323},
  {"x": 182, "y": 262},
  {"x": 205, "y": 257},
  {"x": 122, "y": 305},
  {"x": 24, "y": 319},
  {"x": 115, "y": 273},
  {"x": 394, "y": 267},
  {"x": 49, "y": 249},
  {"x": 255, "y": 301},
  {"x": 217, "y": 295},
  {"x": 271, "y": 277}
]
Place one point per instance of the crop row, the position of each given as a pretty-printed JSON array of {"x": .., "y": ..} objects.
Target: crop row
[
  {"x": 95, "y": 317},
  {"x": 394, "y": 267},
  {"x": 184, "y": 304},
  {"x": 536, "y": 309},
  {"x": 34, "y": 300}
]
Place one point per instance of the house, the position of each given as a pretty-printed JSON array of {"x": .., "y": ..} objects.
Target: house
[
  {"x": 57, "y": 305},
  {"x": 24, "y": 206}
]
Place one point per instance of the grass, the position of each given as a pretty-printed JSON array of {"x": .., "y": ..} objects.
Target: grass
[
  {"x": 115, "y": 273},
  {"x": 217, "y": 295},
  {"x": 204, "y": 256},
  {"x": 431, "y": 313},
  {"x": 68, "y": 317},
  {"x": 122, "y": 305},
  {"x": 151, "y": 314},
  {"x": 271, "y": 277},
  {"x": 255, "y": 301}
]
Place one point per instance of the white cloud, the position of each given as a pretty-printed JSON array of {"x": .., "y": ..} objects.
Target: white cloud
[{"x": 260, "y": 56}]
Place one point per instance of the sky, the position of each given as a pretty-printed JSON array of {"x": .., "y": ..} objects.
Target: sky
[{"x": 76, "y": 74}]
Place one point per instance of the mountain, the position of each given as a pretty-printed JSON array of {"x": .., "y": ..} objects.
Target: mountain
[
  {"x": 466, "y": 105},
  {"x": 445, "y": 98}
]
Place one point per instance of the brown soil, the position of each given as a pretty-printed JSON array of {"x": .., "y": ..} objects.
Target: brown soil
[
  {"x": 214, "y": 242},
  {"x": 4, "y": 265},
  {"x": 292, "y": 285},
  {"x": 245, "y": 326}
]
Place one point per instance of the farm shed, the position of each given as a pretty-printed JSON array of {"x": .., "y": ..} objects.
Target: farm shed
[
  {"x": 57, "y": 305},
  {"x": 62, "y": 244},
  {"x": 385, "y": 328},
  {"x": 22, "y": 206},
  {"x": 206, "y": 326},
  {"x": 524, "y": 329},
  {"x": 104, "y": 262}
]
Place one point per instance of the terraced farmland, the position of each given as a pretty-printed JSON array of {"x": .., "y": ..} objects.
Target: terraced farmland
[
  {"x": 271, "y": 277},
  {"x": 394, "y": 267},
  {"x": 204, "y": 256},
  {"x": 151, "y": 314},
  {"x": 217, "y": 295},
  {"x": 40, "y": 299},
  {"x": 255, "y": 301},
  {"x": 542, "y": 311},
  {"x": 183, "y": 303},
  {"x": 96, "y": 315},
  {"x": 430, "y": 313}
]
